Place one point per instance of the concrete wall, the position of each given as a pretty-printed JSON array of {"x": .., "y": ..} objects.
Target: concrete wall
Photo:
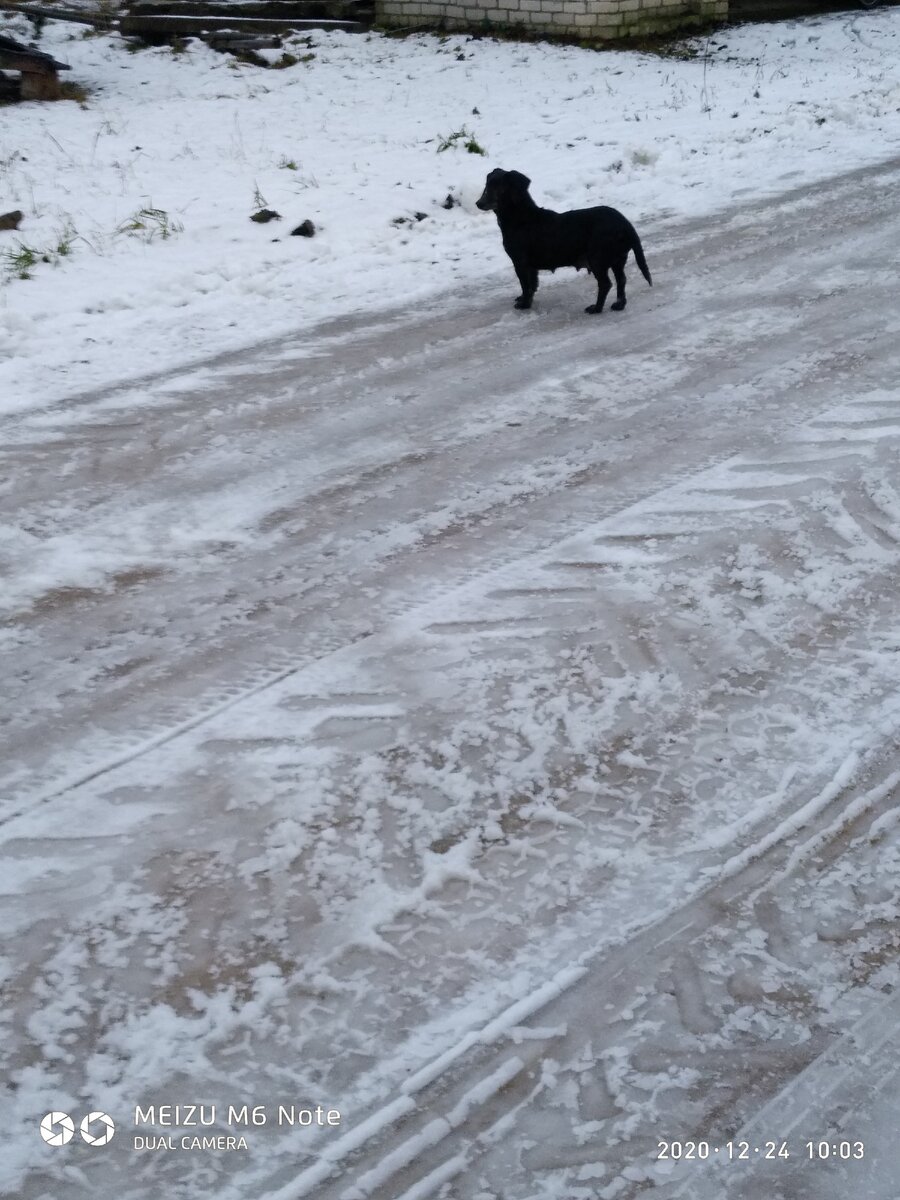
[{"x": 588, "y": 19}]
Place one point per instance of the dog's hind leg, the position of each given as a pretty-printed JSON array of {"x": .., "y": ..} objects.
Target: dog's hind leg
[
  {"x": 528, "y": 278},
  {"x": 619, "y": 271},
  {"x": 603, "y": 287}
]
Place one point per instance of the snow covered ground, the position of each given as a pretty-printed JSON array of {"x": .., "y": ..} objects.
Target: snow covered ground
[
  {"x": 483, "y": 724},
  {"x": 348, "y": 137}
]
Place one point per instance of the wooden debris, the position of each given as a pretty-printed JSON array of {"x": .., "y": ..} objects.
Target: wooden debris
[
  {"x": 39, "y": 71},
  {"x": 157, "y": 21},
  {"x": 40, "y": 12},
  {"x": 232, "y": 39},
  {"x": 161, "y": 22}
]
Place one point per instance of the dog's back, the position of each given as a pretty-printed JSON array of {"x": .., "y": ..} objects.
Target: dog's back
[{"x": 574, "y": 239}]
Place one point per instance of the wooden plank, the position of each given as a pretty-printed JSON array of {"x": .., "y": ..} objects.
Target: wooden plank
[
  {"x": 39, "y": 86},
  {"x": 16, "y": 57},
  {"x": 299, "y": 14},
  {"x": 157, "y": 26},
  {"x": 78, "y": 16},
  {"x": 269, "y": 9},
  {"x": 229, "y": 40},
  {"x": 21, "y": 62},
  {"x": 28, "y": 65}
]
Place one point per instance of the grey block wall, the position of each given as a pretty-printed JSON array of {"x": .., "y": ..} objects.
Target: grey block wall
[{"x": 588, "y": 19}]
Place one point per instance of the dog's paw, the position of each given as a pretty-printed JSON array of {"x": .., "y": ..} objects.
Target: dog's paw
[
  {"x": 521, "y": 302},
  {"x": 594, "y": 308},
  {"x": 617, "y": 305}
]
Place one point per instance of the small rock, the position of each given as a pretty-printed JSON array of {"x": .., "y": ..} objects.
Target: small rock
[
  {"x": 264, "y": 215},
  {"x": 449, "y": 202},
  {"x": 307, "y": 229},
  {"x": 10, "y": 220}
]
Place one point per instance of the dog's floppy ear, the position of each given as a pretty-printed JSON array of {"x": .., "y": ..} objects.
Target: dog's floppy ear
[{"x": 517, "y": 181}]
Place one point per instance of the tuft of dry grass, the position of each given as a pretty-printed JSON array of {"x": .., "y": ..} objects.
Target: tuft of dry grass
[{"x": 69, "y": 90}]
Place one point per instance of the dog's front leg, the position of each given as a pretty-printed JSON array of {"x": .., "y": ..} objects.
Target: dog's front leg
[{"x": 528, "y": 281}]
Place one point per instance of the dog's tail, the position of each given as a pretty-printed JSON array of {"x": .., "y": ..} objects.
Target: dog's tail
[{"x": 639, "y": 257}]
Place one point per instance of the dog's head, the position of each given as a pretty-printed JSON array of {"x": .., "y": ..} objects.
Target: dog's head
[{"x": 503, "y": 189}]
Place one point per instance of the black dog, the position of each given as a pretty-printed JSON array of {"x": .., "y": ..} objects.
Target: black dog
[{"x": 537, "y": 239}]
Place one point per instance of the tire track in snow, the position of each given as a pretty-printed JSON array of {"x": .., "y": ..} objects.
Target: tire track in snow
[
  {"x": 680, "y": 531},
  {"x": 790, "y": 835},
  {"x": 253, "y": 661},
  {"x": 465, "y": 1082}
]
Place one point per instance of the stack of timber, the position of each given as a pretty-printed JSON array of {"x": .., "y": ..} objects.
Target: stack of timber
[
  {"x": 162, "y": 20},
  {"x": 244, "y": 20}
]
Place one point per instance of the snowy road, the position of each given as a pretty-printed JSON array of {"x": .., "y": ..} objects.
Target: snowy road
[{"x": 483, "y": 723}]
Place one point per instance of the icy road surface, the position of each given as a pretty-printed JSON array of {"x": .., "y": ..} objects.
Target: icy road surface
[{"x": 483, "y": 723}]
